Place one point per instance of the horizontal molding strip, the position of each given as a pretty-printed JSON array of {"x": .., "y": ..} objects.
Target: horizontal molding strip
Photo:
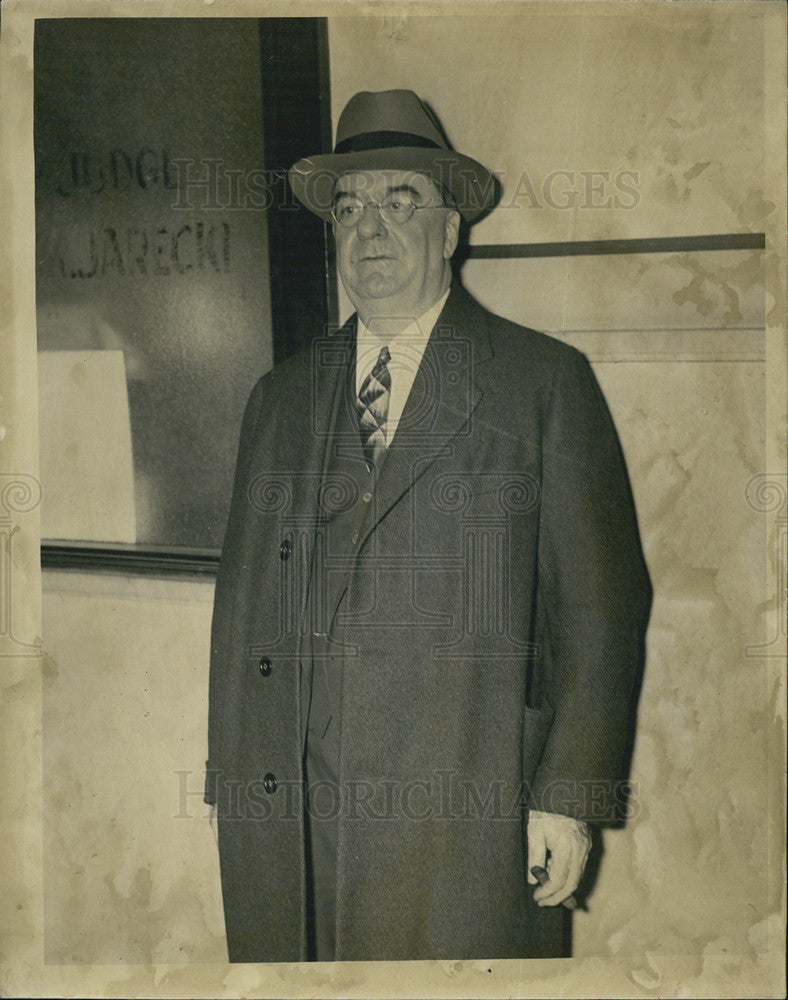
[
  {"x": 581, "y": 248},
  {"x": 128, "y": 559},
  {"x": 654, "y": 329}
]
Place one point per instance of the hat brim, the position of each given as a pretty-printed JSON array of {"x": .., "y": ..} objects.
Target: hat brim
[{"x": 474, "y": 189}]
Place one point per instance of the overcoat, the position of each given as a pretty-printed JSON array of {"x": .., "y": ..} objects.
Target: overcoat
[{"x": 492, "y": 631}]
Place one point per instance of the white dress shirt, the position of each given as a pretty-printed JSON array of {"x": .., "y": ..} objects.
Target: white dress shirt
[{"x": 406, "y": 349}]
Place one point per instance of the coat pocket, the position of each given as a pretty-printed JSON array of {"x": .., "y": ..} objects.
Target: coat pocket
[{"x": 537, "y": 723}]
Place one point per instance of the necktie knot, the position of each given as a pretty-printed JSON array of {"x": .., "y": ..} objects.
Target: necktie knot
[{"x": 383, "y": 359}]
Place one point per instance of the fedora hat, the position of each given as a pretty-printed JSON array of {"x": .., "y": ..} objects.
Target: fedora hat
[{"x": 392, "y": 130}]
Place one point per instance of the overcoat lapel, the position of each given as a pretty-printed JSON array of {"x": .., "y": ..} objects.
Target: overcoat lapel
[{"x": 439, "y": 408}]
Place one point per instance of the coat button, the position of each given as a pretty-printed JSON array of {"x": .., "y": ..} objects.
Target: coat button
[
  {"x": 266, "y": 666},
  {"x": 285, "y": 549},
  {"x": 270, "y": 783}
]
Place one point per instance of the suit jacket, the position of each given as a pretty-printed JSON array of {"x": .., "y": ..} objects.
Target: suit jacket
[{"x": 492, "y": 630}]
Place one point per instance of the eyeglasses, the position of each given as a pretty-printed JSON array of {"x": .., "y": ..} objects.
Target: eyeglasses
[{"x": 395, "y": 210}]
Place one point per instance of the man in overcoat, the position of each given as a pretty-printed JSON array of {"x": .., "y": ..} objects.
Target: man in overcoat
[{"x": 431, "y": 602}]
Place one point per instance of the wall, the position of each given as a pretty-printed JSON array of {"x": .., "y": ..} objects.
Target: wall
[
  {"x": 131, "y": 871},
  {"x": 635, "y": 123}
]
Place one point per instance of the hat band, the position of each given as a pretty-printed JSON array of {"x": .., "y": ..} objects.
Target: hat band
[{"x": 365, "y": 141}]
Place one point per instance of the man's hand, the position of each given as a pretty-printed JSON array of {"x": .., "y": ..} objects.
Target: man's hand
[{"x": 568, "y": 841}]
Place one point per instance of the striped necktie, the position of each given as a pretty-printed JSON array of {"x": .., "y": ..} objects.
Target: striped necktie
[{"x": 372, "y": 407}]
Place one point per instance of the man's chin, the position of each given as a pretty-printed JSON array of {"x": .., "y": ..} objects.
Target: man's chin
[{"x": 377, "y": 287}]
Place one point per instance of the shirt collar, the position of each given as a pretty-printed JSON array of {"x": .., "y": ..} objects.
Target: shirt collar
[{"x": 406, "y": 347}]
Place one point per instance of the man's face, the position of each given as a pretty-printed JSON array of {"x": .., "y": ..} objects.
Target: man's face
[{"x": 395, "y": 270}]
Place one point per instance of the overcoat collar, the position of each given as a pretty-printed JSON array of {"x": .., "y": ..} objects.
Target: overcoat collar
[{"x": 440, "y": 405}]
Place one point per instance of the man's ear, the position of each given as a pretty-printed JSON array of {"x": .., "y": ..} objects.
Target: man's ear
[{"x": 451, "y": 233}]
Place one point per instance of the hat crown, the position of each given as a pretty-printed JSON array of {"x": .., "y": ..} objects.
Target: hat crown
[
  {"x": 390, "y": 112},
  {"x": 393, "y": 130}
]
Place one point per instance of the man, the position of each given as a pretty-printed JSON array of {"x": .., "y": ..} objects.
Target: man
[{"x": 431, "y": 600}]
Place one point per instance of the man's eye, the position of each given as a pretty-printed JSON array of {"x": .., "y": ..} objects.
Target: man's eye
[{"x": 348, "y": 209}]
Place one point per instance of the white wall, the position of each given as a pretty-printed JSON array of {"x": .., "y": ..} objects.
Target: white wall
[{"x": 131, "y": 872}]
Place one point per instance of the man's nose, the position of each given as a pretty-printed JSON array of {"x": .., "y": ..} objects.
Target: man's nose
[{"x": 370, "y": 224}]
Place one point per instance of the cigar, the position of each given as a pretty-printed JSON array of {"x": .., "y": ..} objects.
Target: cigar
[{"x": 541, "y": 876}]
